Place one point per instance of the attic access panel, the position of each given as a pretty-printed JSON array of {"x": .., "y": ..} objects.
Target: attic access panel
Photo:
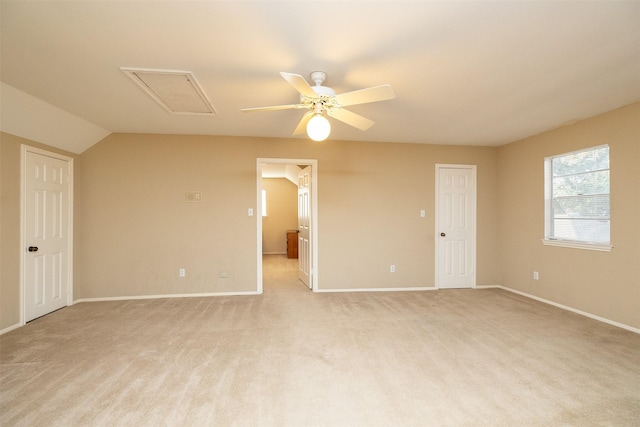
[{"x": 176, "y": 91}]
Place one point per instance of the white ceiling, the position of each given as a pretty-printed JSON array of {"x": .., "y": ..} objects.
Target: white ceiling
[{"x": 470, "y": 73}]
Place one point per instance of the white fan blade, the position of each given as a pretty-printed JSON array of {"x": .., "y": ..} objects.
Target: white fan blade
[
  {"x": 350, "y": 118},
  {"x": 363, "y": 96},
  {"x": 299, "y": 83},
  {"x": 273, "y": 108},
  {"x": 302, "y": 125}
]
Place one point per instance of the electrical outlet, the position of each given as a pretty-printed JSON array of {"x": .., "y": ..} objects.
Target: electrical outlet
[
  {"x": 392, "y": 269},
  {"x": 536, "y": 276},
  {"x": 182, "y": 272}
]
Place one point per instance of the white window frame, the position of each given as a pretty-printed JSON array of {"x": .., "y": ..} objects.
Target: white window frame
[{"x": 548, "y": 207}]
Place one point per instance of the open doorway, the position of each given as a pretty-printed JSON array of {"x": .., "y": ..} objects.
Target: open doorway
[{"x": 302, "y": 175}]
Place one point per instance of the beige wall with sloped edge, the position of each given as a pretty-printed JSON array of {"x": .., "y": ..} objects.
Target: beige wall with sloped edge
[
  {"x": 282, "y": 214},
  {"x": 605, "y": 284},
  {"x": 133, "y": 230},
  {"x": 137, "y": 231},
  {"x": 10, "y": 153}
]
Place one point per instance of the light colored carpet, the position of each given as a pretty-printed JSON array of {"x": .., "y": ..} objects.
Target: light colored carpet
[{"x": 290, "y": 357}]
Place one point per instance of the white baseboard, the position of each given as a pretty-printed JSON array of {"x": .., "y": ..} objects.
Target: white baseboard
[
  {"x": 10, "y": 328},
  {"x": 195, "y": 295},
  {"x": 378, "y": 289},
  {"x": 566, "y": 307},
  {"x": 217, "y": 294}
]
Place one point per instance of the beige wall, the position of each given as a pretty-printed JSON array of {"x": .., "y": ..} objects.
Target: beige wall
[
  {"x": 282, "y": 214},
  {"x": 604, "y": 284},
  {"x": 137, "y": 231},
  {"x": 370, "y": 200},
  {"x": 133, "y": 231},
  {"x": 10, "y": 224}
]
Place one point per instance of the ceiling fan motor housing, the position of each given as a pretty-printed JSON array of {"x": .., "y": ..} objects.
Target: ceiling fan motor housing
[
  {"x": 318, "y": 77},
  {"x": 324, "y": 95},
  {"x": 323, "y": 91}
]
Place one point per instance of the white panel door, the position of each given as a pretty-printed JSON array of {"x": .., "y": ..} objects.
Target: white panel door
[
  {"x": 455, "y": 226},
  {"x": 304, "y": 220},
  {"x": 47, "y": 207}
]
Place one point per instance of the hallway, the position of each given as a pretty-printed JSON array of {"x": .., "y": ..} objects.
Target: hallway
[{"x": 280, "y": 274}]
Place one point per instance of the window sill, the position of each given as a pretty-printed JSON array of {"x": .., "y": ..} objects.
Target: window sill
[{"x": 578, "y": 245}]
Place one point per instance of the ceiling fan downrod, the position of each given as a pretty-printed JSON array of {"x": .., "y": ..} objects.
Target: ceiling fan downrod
[{"x": 318, "y": 77}]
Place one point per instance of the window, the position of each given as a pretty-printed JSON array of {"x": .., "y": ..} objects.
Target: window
[{"x": 577, "y": 210}]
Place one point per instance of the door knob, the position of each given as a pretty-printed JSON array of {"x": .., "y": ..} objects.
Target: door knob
[
  {"x": 442, "y": 234},
  {"x": 33, "y": 249}
]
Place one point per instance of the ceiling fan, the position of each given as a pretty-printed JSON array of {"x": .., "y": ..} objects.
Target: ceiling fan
[{"x": 321, "y": 100}]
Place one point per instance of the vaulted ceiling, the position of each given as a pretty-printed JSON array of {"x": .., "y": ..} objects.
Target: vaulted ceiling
[{"x": 469, "y": 73}]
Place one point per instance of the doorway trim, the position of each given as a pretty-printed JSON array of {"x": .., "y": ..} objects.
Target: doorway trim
[
  {"x": 23, "y": 222},
  {"x": 314, "y": 214}
]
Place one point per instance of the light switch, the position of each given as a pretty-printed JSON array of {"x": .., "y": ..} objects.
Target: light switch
[
  {"x": 250, "y": 212},
  {"x": 423, "y": 213}
]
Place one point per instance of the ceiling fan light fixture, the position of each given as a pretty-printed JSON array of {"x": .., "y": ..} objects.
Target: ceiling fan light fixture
[
  {"x": 321, "y": 99},
  {"x": 318, "y": 127}
]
